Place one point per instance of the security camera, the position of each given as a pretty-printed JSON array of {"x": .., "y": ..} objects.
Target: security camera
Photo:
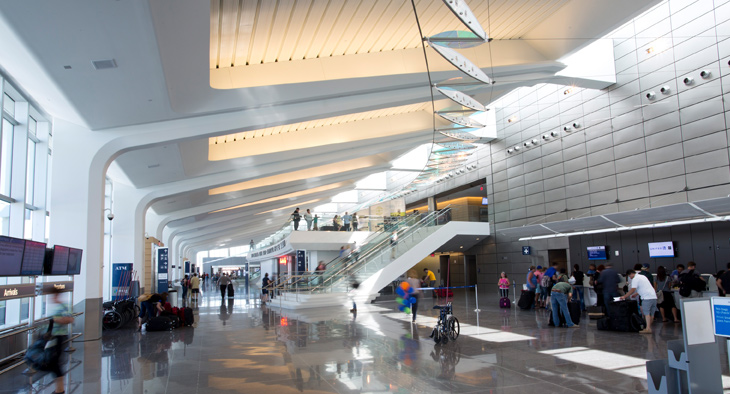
[
  {"x": 650, "y": 95},
  {"x": 689, "y": 81},
  {"x": 665, "y": 89},
  {"x": 110, "y": 216},
  {"x": 705, "y": 74}
]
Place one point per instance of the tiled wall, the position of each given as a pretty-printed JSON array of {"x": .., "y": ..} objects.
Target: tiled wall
[{"x": 629, "y": 151}]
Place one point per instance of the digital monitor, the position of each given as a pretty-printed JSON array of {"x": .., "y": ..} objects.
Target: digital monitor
[
  {"x": 485, "y": 201},
  {"x": 74, "y": 261},
  {"x": 597, "y": 253},
  {"x": 661, "y": 249},
  {"x": 35, "y": 253},
  {"x": 59, "y": 266},
  {"x": 11, "y": 255}
]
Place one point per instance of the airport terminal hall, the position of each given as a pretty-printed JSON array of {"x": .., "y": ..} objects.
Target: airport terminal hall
[{"x": 365, "y": 196}]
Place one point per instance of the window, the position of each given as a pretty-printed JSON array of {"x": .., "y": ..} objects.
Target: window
[
  {"x": 6, "y": 157},
  {"x": 30, "y": 173},
  {"x": 4, "y": 218},
  {"x": 9, "y": 105},
  {"x": 28, "y": 227}
]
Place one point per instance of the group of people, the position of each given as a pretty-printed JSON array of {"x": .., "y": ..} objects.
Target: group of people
[
  {"x": 296, "y": 217},
  {"x": 190, "y": 287},
  {"x": 346, "y": 223}
]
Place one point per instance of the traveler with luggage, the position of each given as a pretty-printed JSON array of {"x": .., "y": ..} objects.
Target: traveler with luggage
[
  {"x": 578, "y": 286},
  {"x": 538, "y": 290},
  {"x": 560, "y": 294},
  {"x": 609, "y": 280},
  {"x": 647, "y": 294},
  {"x": 503, "y": 284},
  {"x": 223, "y": 283},
  {"x": 691, "y": 284},
  {"x": 61, "y": 319},
  {"x": 185, "y": 284},
  {"x": 527, "y": 297},
  {"x": 150, "y": 306}
]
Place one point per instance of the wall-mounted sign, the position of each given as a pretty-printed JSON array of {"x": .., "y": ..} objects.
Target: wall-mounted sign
[
  {"x": 10, "y": 292},
  {"x": 121, "y": 276},
  {"x": 301, "y": 262},
  {"x": 278, "y": 249},
  {"x": 48, "y": 287},
  {"x": 162, "y": 254},
  {"x": 526, "y": 250}
]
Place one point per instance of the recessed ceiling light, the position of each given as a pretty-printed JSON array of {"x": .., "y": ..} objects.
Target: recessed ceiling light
[
  {"x": 67, "y": 67},
  {"x": 104, "y": 64}
]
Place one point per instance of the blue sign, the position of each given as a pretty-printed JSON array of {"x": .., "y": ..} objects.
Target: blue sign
[
  {"x": 526, "y": 250},
  {"x": 162, "y": 254},
  {"x": 301, "y": 262},
  {"x": 187, "y": 267},
  {"x": 721, "y": 316},
  {"x": 121, "y": 278}
]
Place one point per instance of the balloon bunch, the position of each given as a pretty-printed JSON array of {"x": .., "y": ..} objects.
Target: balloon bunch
[{"x": 405, "y": 299}]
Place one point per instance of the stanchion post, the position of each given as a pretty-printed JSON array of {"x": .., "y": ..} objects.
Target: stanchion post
[{"x": 476, "y": 297}]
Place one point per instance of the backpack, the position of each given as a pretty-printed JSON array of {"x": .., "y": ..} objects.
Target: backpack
[
  {"x": 563, "y": 278},
  {"x": 698, "y": 284},
  {"x": 144, "y": 297},
  {"x": 546, "y": 282},
  {"x": 685, "y": 285}
]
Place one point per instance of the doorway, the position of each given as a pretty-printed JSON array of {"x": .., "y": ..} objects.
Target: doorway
[
  {"x": 470, "y": 270},
  {"x": 443, "y": 269},
  {"x": 559, "y": 256}
]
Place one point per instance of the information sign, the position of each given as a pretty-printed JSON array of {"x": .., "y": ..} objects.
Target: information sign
[{"x": 162, "y": 254}]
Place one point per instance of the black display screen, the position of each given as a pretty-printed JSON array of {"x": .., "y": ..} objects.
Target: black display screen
[
  {"x": 74, "y": 261},
  {"x": 11, "y": 255},
  {"x": 35, "y": 253},
  {"x": 60, "y": 260}
]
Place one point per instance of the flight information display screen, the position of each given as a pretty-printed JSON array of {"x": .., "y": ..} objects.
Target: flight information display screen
[
  {"x": 74, "y": 261},
  {"x": 11, "y": 255},
  {"x": 60, "y": 260},
  {"x": 35, "y": 253}
]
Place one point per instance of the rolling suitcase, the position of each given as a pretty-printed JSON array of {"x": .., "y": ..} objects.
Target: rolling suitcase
[
  {"x": 595, "y": 312},
  {"x": 189, "y": 317},
  {"x": 527, "y": 299},
  {"x": 176, "y": 321},
  {"x": 160, "y": 323},
  {"x": 504, "y": 302},
  {"x": 230, "y": 290},
  {"x": 624, "y": 316},
  {"x": 573, "y": 309}
]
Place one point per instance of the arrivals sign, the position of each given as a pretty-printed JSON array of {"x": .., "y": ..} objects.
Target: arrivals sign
[{"x": 10, "y": 292}]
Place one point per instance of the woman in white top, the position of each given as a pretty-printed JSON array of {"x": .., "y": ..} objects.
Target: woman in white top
[
  {"x": 308, "y": 219},
  {"x": 415, "y": 284}
]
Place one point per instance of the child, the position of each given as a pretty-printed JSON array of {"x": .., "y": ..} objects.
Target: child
[{"x": 503, "y": 285}]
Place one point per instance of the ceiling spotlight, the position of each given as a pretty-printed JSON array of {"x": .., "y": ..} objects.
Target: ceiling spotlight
[
  {"x": 509, "y": 150},
  {"x": 553, "y": 133},
  {"x": 568, "y": 91},
  {"x": 512, "y": 119},
  {"x": 576, "y": 125},
  {"x": 650, "y": 50},
  {"x": 651, "y": 96},
  {"x": 705, "y": 74},
  {"x": 526, "y": 144},
  {"x": 689, "y": 81},
  {"x": 517, "y": 147},
  {"x": 566, "y": 128},
  {"x": 545, "y": 136},
  {"x": 534, "y": 142},
  {"x": 665, "y": 89}
]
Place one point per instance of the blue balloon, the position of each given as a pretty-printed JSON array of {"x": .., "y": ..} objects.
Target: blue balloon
[
  {"x": 402, "y": 308},
  {"x": 412, "y": 300},
  {"x": 410, "y": 290},
  {"x": 400, "y": 291}
]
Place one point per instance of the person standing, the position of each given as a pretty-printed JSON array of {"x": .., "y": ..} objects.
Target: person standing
[
  {"x": 223, "y": 283},
  {"x": 647, "y": 295},
  {"x": 503, "y": 284},
  {"x": 61, "y": 319},
  {"x": 723, "y": 282},
  {"x": 308, "y": 219},
  {"x": 664, "y": 284},
  {"x": 644, "y": 271},
  {"x": 538, "y": 289},
  {"x": 337, "y": 223},
  {"x": 578, "y": 276},
  {"x": 354, "y": 221},
  {"x": 347, "y": 218},
  {"x": 531, "y": 279},
  {"x": 314, "y": 221},
  {"x": 184, "y": 284},
  {"x": 561, "y": 293},
  {"x": 296, "y": 217},
  {"x": 609, "y": 280},
  {"x": 251, "y": 245},
  {"x": 415, "y": 284},
  {"x": 195, "y": 287},
  {"x": 430, "y": 278},
  {"x": 547, "y": 283},
  {"x": 265, "y": 282}
]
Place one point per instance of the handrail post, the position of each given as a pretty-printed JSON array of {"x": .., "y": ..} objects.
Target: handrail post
[{"x": 476, "y": 297}]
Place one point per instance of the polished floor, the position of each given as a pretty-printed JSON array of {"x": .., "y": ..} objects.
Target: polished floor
[{"x": 238, "y": 346}]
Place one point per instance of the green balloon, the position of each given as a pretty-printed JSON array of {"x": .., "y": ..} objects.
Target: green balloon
[
  {"x": 407, "y": 310},
  {"x": 399, "y": 300}
]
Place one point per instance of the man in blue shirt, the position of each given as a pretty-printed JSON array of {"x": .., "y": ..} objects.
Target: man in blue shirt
[
  {"x": 609, "y": 279},
  {"x": 347, "y": 218}
]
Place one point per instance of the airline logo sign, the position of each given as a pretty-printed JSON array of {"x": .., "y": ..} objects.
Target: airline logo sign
[
  {"x": 10, "y": 292},
  {"x": 48, "y": 288}
]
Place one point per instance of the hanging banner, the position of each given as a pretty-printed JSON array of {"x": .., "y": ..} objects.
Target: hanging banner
[
  {"x": 162, "y": 254},
  {"x": 187, "y": 267},
  {"x": 121, "y": 275}
]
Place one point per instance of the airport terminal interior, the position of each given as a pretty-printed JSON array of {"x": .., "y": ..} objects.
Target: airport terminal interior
[{"x": 334, "y": 157}]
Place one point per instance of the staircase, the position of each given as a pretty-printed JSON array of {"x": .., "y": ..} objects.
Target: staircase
[{"x": 377, "y": 263}]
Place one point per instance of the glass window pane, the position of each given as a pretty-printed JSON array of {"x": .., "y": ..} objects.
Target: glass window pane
[
  {"x": 9, "y": 105},
  {"x": 48, "y": 227},
  {"x": 30, "y": 173},
  {"x": 4, "y": 218},
  {"x": 32, "y": 125},
  {"x": 28, "y": 228},
  {"x": 6, "y": 157}
]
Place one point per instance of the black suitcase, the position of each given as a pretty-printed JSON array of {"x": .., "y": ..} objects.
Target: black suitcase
[
  {"x": 230, "y": 290},
  {"x": 175, "y": 318},
  {"x": 604, "y": 323},
  {"x": 160, "y": 323},
  {"x": 527, "y": 299},
  {"x": 624, "y": 316},
  {"x": 189, "y": 317},
  {"x": 573, "y": 309}
]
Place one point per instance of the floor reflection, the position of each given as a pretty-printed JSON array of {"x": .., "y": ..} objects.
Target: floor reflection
[{"x": 238, "y": 345}]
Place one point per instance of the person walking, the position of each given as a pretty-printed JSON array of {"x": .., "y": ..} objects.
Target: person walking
[
  {"x": 184, "y": 284},
  {"x": 308, "y": 219},
  {"x": 415, "y": 284},
  {"x": 195, "y": 287},
  {"x": 251, "y": 245},
  {"x": 223, "y": 283},
  {"x": 296, "y": 217},
  {"x": 354, "y": 221},
  {"x": 503, "y": 285},
  {"x": 61, "y": 319},
  {"x": 265, "y": 282}
]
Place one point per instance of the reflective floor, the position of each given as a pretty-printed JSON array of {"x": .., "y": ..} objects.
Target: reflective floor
[{"x": 238, "y": 346}]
